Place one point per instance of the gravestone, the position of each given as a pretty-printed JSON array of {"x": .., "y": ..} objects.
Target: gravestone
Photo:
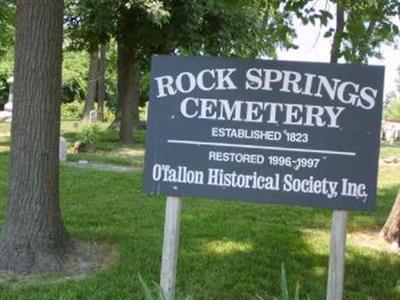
[
  {"x": 92, "y": 116},
  {"x": 5, "y": 116},
  {"x": 63, "y": 149}
]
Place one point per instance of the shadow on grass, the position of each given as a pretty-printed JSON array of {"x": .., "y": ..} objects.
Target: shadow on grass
[
  {"x": 243, "y": 257},
  {"x": 229, "y": 250},
  {"x": 238, "y": 250}
]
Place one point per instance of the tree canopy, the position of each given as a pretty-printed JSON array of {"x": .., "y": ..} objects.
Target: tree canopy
[{"x": 367, "y": 25}]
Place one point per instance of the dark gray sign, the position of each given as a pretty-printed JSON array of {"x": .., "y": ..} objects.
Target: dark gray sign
[{"x": 264, "y": 131}]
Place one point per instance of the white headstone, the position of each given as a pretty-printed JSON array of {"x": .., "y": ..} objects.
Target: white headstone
[
  {"x": 391, "y": 135},
  {"x": 9, "y": 104},
  {"x": 5, "y": 116},
  {"x": 63, "y": 149},
  {"x": 92, "y": 116}
]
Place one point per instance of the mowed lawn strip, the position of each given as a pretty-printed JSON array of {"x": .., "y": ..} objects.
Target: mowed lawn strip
[{"x": 229, "y": 250}]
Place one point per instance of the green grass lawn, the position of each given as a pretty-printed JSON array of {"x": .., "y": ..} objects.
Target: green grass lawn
[
  {"x": 108, "y": 149},
  {"x": 229, "y": 250},
  {"x": 388, "y": 150}
]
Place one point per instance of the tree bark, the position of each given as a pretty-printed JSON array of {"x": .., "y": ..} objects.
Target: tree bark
[
  {"x": 126, "y": 92},
  {"x": 136, "y": 94},
  {"x": 102, "y": 84},
  {"x": 92, "y": 85},
  {"x": 337, "y": 38},
  {"x": 33, "y": 237},
  {"x": 391, "y": 230}
]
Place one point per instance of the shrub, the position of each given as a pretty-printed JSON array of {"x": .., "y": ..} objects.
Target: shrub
[
  {"x": 89, "y": 135},
  {"x": 71, "y": 111}
]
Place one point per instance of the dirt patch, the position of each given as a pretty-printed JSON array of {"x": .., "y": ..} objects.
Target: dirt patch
[
  {"x": 371, "y": 239},
  {"x": 86, "y": 257}
]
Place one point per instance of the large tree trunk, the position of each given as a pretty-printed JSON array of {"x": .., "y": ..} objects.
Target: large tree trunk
[
  {"x": 33, "y": 237},
  {"x": 391, "y": 230},
  {"x": 126, "y": 92},
  {"x": 92, "y": 85},
  {"x": 102, "y": 84}
]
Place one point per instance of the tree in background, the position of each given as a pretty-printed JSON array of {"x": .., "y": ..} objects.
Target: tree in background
[
  {"x": 143, "y": 28},
  {"x": 101, "y": 86},
  {"x": 33, "y": 237},
  {"x": 7, "y": 31},
  {"x": 89, "y": 28},
  {"x": 367, "y": 24},
  {"x": 92, "y": 84}
]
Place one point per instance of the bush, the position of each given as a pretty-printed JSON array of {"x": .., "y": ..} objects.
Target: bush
[
  {"x": 89, "y": 135},
  {"x": 71, "y": 111}
]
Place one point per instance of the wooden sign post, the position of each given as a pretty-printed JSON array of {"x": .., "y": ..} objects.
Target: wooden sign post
[
  {"x": 170, "y": 245},
  {"x": 337, "y": 255}
]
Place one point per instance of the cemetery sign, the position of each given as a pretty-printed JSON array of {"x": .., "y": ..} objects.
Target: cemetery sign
[{"x": 264, "y": 131}]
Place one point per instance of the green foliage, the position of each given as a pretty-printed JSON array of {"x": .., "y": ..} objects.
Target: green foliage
[
  {"x": 71, "y": 111},
  {"x": 231, "y": 28},
  {"x": 6, "y": 71},
  {"x": 392, "y": 110},
  {"x": 228, "y": 28},
  {"x": 93, "y": 22},
  {"x": 74, "y": 79},
  {"x": 369, "y": 23},
  {"x": 90, "y": 134},
  {"x": 7, "y": 30}
]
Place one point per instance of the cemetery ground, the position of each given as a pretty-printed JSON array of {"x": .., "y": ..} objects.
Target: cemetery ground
[{"x": 229, "y": 250}]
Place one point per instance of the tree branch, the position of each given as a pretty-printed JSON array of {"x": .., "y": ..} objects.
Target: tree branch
[{"x": 339, "y": 30}]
